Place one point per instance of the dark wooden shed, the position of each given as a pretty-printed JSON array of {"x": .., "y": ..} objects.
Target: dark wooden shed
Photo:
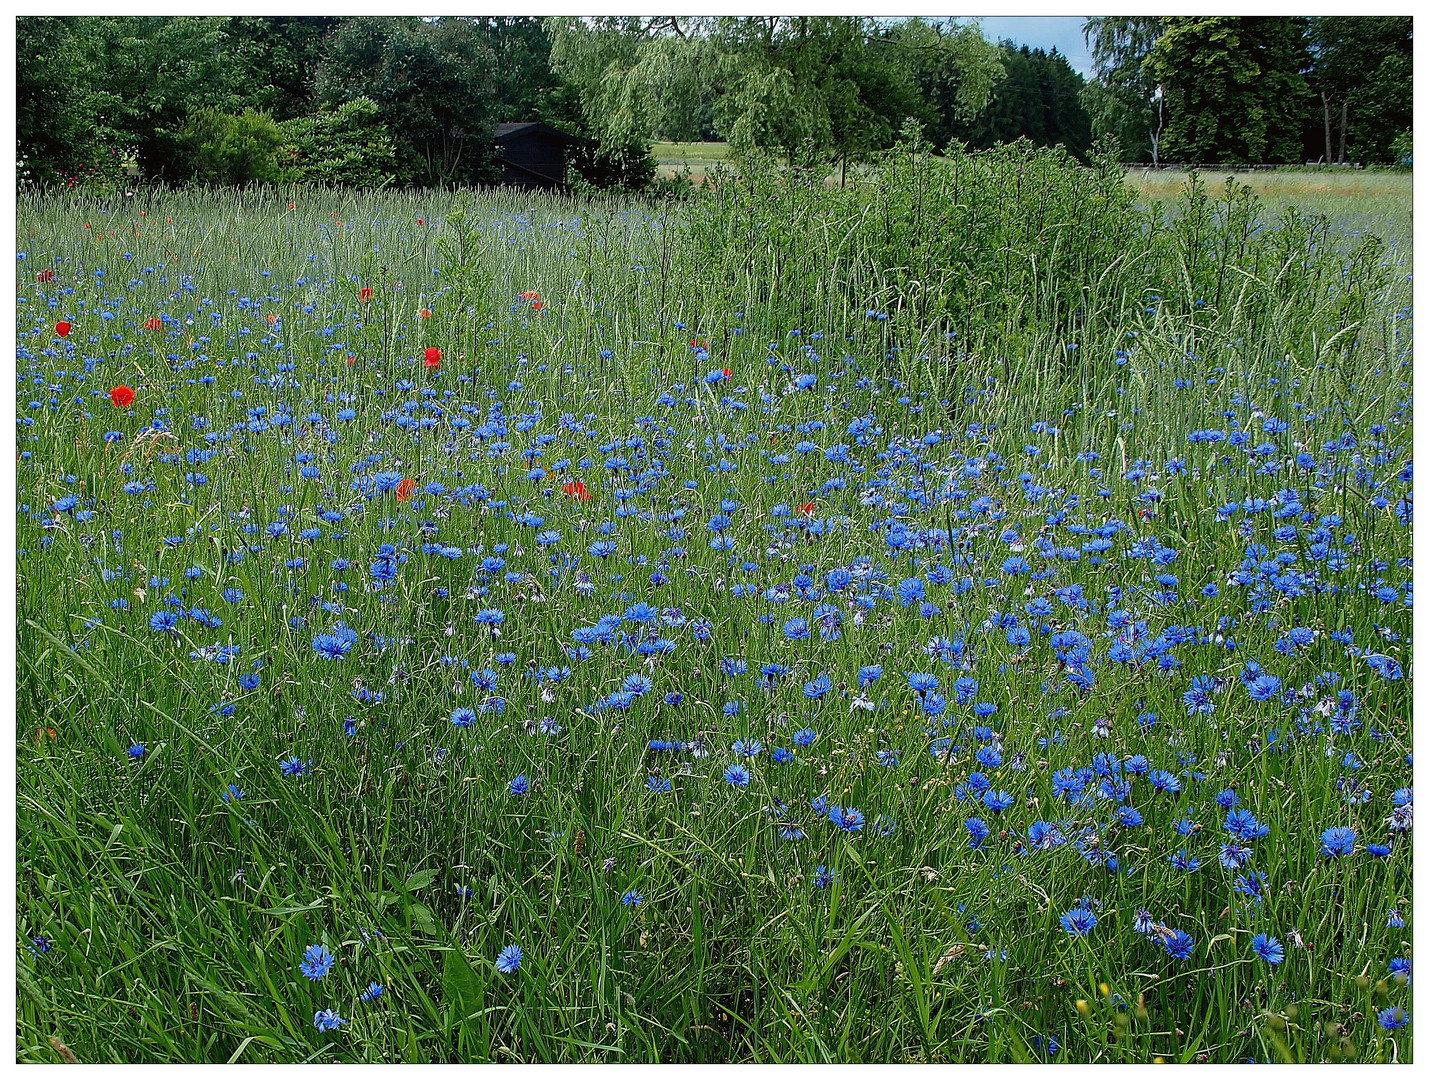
[{"x": 533, "y": 154}]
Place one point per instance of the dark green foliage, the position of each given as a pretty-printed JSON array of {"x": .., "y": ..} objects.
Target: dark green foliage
[
  {"x": 96, "y": 93},
  {"x": 1039, "y": 100},
  {"x": 1233, "y": 87},
  {"x": 278, "y": 56},
  {"x": 56, "y": 128},
  {"x": 630, "y": 167},
  {"x": 525, "y": 88},
  {"x": 1363, "y": 84},
  {"x": 348, "y": 145},
  {"x": 101, "y": 88},
  {"x": 434, "y": 90}
]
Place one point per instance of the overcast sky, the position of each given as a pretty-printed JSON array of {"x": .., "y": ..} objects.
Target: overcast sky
[{"x": 1042, "y": 32}]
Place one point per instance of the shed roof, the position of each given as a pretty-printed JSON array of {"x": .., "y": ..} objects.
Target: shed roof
[{"x": 505, "y": 132}]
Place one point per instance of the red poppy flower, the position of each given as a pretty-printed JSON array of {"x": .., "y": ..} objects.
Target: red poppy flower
[
  {"x": 62, "y": 328},
  {"x": 292, "y": 206},
  {"x": 530, "y": 294},
  {"x": 432, "y": 357},
  {"x": 364, "y": 293},
  {"x": 536, "y": 305},
  {"x": 45, "y": 275},
  {"x": 726, "y": 373},
  {"x": 807, "y": 509},
  {"x": 576, "y": 490},
  {"x": 405, "y": 489},
  {"x": 154, "y": 324},
  {"x": 419, "y": 221},
  {"x": 425, "y": 313},
  {"x": 122, "y": 396},
  {"x": 351, "y": 360}
]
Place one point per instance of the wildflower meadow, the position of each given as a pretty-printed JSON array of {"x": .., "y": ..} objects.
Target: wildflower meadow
[{"x": 962, "y": 617}]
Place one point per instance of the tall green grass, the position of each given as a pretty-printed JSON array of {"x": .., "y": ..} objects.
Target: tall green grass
[{"x": 177, "y": 919}]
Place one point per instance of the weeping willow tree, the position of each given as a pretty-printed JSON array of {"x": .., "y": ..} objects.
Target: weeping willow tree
[{"x": 806, "y": 87}]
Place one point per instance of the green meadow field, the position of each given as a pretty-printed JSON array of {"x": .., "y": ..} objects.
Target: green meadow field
[{"x": 960, "y": 618}]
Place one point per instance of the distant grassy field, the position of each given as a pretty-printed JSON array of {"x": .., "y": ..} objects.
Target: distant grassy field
[
  {"x": 1357, "y": 201},
  {"x": 699, "y": 156}
]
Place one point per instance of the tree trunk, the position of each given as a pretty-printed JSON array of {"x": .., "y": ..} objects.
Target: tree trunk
[
  {"x": 1344, "y": 125},
  {"x": 1329, "y": 153}
]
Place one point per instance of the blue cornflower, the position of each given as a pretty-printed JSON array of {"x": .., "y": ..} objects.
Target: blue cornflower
[
  {"x": 164, "y": 622},
  {"x": 632, "y": 899},
  {"x": 138, "y": 750},
  {"x": 997, "y": 801},
  {"x": 736, "y": 776},
  {"x": 316, "y": 962},
  {"x": 922, "y": 683},
  {"x": 372, "y": 993},
  {"x": 1187, "y": 864},
  {"x": 804, "y": 737},
  {"x": 1267, "y": 948},
  {"x": 232, "y": 793},
  {"x": 292, "y": 766},
  {"x": 1178, "y": 945},
  {"x": 824, "y": 877},
  {"x": 519, "y": 785},
  {"x": 509, "y": 960},
  {"x": 1078, "y": 922},
  {"x": 847, "y": 818},
  {"x": 1263, "y": 688},
  {"x": 657, "y": 784},
  {"x": 636, "y": 684},
  {"x": 327, "y": 1020},
  {"x": 1392, "y": 1017},
  {"x": 988, "y": 757},
  {"x": 463, "y": 717},
  {"x": 977, "y": 832},
  {"x": 1241, "y": 823},
  {"x": 1162, "y": 780},
  {"x": 1198, "y": 698},
  {"x": 747, "y": 749},
  {"x": 1337, "y": 842},
  {"x": 1233, "y": 857},
  {"x": 817, "y": 688}
]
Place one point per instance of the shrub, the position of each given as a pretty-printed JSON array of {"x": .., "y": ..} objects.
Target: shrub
[
  {"x": 223, "y": 148},
  {"x": 349, "y": 146},
  {"x": 631, "y": 167}
]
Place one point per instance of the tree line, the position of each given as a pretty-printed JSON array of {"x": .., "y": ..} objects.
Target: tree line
[
  {"x": 1255, "y": 89},
  {"x": 368, "y": 101}
]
